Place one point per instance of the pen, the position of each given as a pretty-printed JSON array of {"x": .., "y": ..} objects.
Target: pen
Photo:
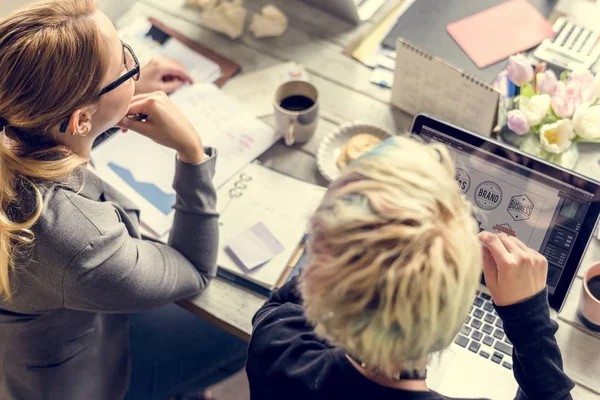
[
  {"x": 292, "y": 262},
  {"x": 138, "y": 117}
]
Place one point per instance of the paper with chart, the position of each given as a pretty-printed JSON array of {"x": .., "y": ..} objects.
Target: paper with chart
[
  {"x": 224, "y": 124},
  {"x": 144, "y": 170},
  {"x": 282, "y": 204}
]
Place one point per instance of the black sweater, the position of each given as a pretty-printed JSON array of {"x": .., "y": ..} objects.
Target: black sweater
[{"x": 287, "y": 360}]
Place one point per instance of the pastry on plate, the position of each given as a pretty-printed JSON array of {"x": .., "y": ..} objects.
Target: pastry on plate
[{"x": 356, "y": 147}]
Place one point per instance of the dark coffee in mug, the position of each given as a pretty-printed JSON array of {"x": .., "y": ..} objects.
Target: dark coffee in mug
[
  {"x": 589, "y": 304},
  {"x": 297, "y": 103},
  {"x": 594, "y": 287}
]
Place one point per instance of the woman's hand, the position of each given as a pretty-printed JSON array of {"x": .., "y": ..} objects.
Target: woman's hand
[
  {"x": 513, "y": 272},
  {"x": 166, "y": 125},
  {"x": 162, "y": 74}
]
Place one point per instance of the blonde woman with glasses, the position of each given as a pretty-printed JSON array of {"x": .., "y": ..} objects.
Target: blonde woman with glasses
[
  {"x": 85, "y": 300},
  {"x": 394, "y": 260}
]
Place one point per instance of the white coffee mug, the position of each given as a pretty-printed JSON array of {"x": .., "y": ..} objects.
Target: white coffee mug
[{"x": 296, "y": 105}]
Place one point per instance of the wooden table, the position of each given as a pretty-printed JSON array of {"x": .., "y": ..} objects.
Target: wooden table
[{"x": 317, "y": 40}]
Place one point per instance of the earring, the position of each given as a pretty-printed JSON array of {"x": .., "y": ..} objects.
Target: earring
[
  {"x": 85, "y": 131},
  {"x": 64, "y": 126}
]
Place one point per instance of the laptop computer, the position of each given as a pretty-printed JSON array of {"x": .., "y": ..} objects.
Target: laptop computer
[
  {"x": 552, "y": 210},
  {"x": 355, "y": 11}
]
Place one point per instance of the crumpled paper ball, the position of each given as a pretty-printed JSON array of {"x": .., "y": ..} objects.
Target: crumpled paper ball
[
  {"x": 271, "y": 22},
  {"x": 228, "y": 17},
  {"x": 202, "y": 4}
]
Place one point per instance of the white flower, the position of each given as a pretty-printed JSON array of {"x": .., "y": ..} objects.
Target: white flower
[
  {"x": 556, "y": 137},
  {"x": 535, "y": 108},
  {"x": 586, "y": 121},
  {"x": 583, "y": 76}
]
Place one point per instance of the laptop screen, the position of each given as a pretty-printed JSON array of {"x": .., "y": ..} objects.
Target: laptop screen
[{"x": 517, "y": 195}]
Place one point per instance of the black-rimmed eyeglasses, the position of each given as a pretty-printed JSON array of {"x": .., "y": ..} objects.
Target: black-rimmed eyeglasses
[{"x": 132, "y": 66}]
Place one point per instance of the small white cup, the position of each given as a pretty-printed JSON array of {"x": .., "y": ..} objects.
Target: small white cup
[{"x": 296, "y": 125}]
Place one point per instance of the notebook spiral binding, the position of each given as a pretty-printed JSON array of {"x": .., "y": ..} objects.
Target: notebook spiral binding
[
  {"x": 412, "y": 48},
  {"x": 429, "y": 57}
]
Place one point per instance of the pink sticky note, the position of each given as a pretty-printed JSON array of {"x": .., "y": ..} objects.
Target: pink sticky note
[{"x": 498, "y": 32}]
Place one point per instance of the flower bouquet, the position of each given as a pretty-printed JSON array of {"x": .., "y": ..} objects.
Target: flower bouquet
[{"x": 553, "y": 113}]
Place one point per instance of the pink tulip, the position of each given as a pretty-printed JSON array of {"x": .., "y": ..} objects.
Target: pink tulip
[
  {"x": 573, "y": 89},
  {"x": 546, "y": 82},
  {"x": 584, "y": 77},
  {"x": 517, "y": 122},
  {"x": 560, "y": 89},
  {"x": 563, "y": 106},
  {"x": 519, "y": 70}
]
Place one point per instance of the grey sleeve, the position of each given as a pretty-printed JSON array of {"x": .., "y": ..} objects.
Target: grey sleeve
[{"x": 118, "y": 273}]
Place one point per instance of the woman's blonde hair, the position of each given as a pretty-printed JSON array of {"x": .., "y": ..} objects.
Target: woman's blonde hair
[
  {"x": 394, "y": 257},
  {"x": 52, "y": 62}
]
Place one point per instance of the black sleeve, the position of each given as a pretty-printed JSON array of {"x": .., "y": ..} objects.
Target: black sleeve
[
  {"x": 284, "y": 353},
  {"x": 537, "y": 363}
]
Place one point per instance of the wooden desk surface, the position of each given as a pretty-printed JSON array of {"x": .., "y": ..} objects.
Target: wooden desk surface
[{"x": 317, "y": 40}]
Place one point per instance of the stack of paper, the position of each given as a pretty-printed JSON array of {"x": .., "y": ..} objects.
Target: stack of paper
[{"x": 143, "y": 170}]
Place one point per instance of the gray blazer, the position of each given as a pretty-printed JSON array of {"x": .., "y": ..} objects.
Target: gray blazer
[{"x": 65, "y": 334}]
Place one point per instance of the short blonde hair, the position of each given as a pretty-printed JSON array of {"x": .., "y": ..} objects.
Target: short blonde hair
[{"x": 394, "y": 259}]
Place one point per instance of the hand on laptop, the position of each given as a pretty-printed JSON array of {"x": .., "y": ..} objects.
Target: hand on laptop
[{"x": 513, "y": 272}]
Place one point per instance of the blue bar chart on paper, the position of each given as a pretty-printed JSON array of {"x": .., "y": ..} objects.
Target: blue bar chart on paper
[
  {"x": 149, "y": 191},
  {"x": 143, "y": 170}
]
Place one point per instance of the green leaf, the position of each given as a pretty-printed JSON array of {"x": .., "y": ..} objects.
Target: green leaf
[
  {"x": 579, "y": 139},
  {"x": 564, "y": 75},
  {"x": 527, "y": 91}
]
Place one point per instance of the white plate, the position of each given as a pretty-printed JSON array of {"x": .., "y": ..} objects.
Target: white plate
[{"x": 331, "y": 146}]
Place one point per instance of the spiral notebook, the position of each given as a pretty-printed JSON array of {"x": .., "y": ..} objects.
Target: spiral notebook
[{"x": 423, "y": 83}]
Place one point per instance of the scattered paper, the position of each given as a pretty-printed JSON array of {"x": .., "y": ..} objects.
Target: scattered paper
[
  {"x": 222, "y": 123},
  {"x": 382, "y": 77},
  {"x": 258, "y": 99},
  {"x": 269, "y": 23},
  {"x": 385, "y": 61},
  {"x": 260, "y": 195},
  {"x": 202, "y": 69},
  {"x": 144, "y": 170},
  {"x": 255, "y": 246}
]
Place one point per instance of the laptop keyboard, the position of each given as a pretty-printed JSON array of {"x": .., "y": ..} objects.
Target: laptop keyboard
[{"x": 482, "y": 333}]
